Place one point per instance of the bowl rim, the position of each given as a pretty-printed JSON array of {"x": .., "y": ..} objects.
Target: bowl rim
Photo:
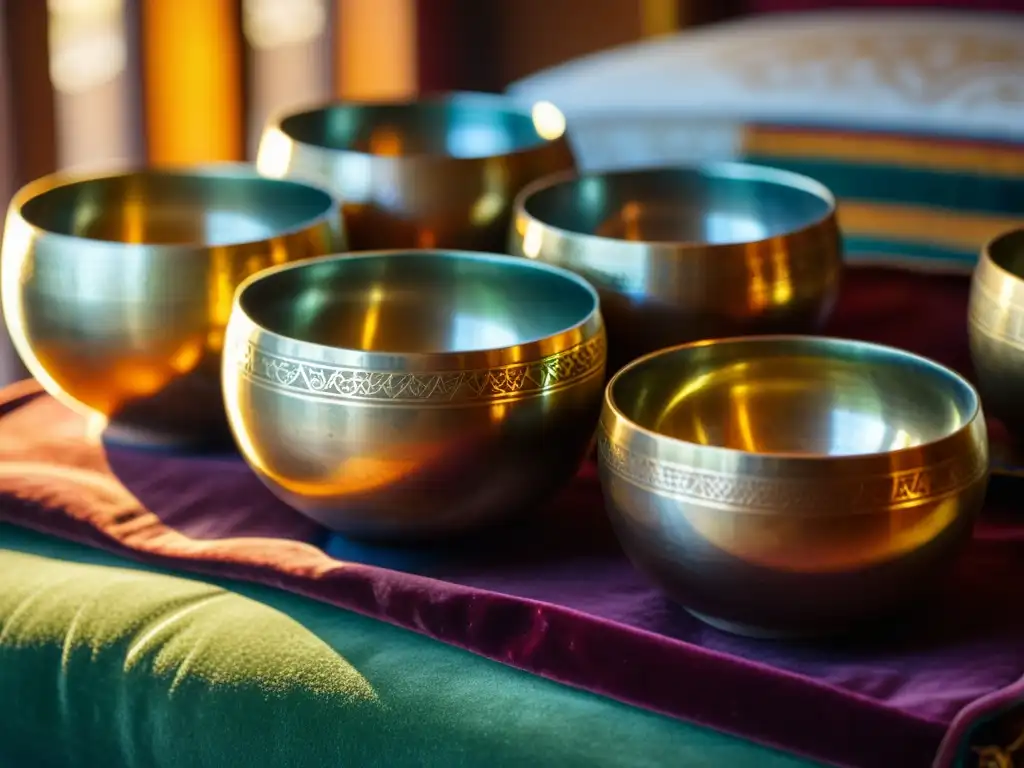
[
  {"x": 996, "y": 241},
  {"x": 727, "y": 169},
  {"x": 587, "y": 328},
  {"x": 330, "y": 214},
  {"x": 500, "y": 103},
  {"x": 791, "y": 457}
]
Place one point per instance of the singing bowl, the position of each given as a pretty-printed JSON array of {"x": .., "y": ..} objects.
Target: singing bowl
[
  {"x": 404, "y": 395},
  {"x": 787, "y": 486},
  {"x": 440, "y": 172},
  {"x": 996, "y": 329},
  {"x": 117, "y": 287},
  {"x": 682, "y": 254}
]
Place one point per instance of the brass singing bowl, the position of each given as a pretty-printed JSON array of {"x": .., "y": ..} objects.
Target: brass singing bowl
[
  {"x": 786, "y": 486},
  {"x": 117, "y": 287},
  {"x": 405, "y": 395},
  {"x": 682, "y": 254},
  {"x": 439, "y": 172},
  {"x": 996, "y": 329}
]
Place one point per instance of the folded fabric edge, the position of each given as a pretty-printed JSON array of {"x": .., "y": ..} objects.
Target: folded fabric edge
[{"x": 991, "y": 729}]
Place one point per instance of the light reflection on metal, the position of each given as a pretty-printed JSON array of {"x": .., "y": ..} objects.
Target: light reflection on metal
[
  {"x": 480, "y": 149},
  {"x": 469, "y": 381},
  {"x": 841, "y": 478},
  {"x": 680, "y": 254},
  {"x": 548, "y": 120},
  {"x": 119, "y": 308}
]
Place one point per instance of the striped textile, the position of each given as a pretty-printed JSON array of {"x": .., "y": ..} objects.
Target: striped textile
[{"x": 917, "y": 201}]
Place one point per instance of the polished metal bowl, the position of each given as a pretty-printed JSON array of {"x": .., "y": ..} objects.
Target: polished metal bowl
[
  {"x": 785, "y": 486},
  {"x": 117, "y": 287},
  {"x": 996, "y": 329},
  {"x": 682, "y": 254},
  {"x": 413, "y": 394},
  {"x": 439, "y": 172}
]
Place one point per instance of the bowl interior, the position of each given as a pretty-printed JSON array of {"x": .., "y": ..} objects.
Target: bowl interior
[
  {"x": 813, "y": 397},
  {"x": 681, "y": 205},
  {"x": 169, "y": 208},
  {"x": 464, "y": 126},
  {"x": 1007, "y": 251},
  {"x": 418, "y": 302}
]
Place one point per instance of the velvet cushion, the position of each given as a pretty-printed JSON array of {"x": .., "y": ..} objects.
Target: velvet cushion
[
  {"x": 914, "y": 119},
  {"x": 106, "y": 663}
]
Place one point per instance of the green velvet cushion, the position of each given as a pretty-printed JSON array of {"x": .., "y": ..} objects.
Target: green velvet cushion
[{"x": 106, "y": 663}]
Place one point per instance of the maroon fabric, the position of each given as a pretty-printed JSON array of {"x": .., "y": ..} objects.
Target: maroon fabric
[
  {"x": 555, "y": 596},
  {"x": 455, "y": 44}
]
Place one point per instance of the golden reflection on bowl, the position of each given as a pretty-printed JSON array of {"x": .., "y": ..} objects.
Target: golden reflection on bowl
[
  {"x": 682, "y": 254},
  {"x": 117, "y": 287},
  {"x": 787, "y": 485},
  {"x": 412, "y": 394},
  {"x": 996, "y": 329},
  {"x": 436, "y": 172}
]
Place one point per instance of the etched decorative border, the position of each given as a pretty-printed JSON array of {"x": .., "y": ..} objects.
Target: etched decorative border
[
  {"x": 342, "y": 383},
  {"x": 763, "y": 494}
]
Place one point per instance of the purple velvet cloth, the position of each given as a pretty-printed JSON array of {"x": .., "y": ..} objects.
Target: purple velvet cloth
[{"x": 555, "y": 596}]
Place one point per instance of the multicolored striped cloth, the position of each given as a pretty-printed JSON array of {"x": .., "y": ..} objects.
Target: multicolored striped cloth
[{"x": 915, "y": 201}]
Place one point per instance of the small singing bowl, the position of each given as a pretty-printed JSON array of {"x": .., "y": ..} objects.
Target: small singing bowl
[
  {"x": 440, "y": 172},
  {"x": 414, "y": 394},
  {"x": 683, "y": 254},
  {"x": 996, "y": 329},
  {"x": 117, "y": 287},
  {"x": 788, "y": 486}
]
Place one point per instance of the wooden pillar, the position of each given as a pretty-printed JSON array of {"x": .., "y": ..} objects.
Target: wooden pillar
[
  {"x": 660, "y": 17},
  {"x": 25, "y": 27},
  {"x": 193, "y": 80},
  {"x": 28, "y": 147},
  {"x": 375, "y": 43}
]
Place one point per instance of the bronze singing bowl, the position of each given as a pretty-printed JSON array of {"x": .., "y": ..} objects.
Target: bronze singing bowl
[
  {"x": 785, "y": 486},
  {"x": 682, "y": 254},
  {"x": 117, "y": 287},
  {"x": 440, "y": 172},
  {"x": 403, "y": 395},
  {"x": 996, "y": 329}
]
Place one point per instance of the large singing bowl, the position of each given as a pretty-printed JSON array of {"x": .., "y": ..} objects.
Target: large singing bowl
[
  {"x": 440, "y": 172},
  {"x": 117, "y": 287},
  {"x": 683, "y": 254},
  {"x": 996, "y": 329},
  {"x": 787, "y": 486},
  {"x": 403, "y": 395}
]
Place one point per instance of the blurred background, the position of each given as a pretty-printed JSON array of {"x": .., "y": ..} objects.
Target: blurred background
[{"x": 89, "y": 82}]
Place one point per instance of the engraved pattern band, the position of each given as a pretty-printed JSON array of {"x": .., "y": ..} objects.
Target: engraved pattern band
[
  {"x": 504, "y": 383},
  {"x": 764, "y": 494}
]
